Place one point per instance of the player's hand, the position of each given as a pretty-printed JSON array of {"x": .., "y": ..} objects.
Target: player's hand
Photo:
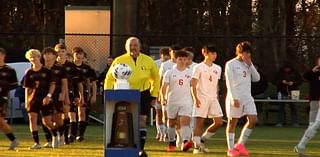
[
  {"x": 247, "y": 60},
  {"x": 164, "y": 101},
  {"x": 235, "y": 103},
  {"x": 46, "y": 100},
  {"x": 316, "y": 68},
  {"x": 197, "y": 103},
  {"x": 284, "y": 82}
]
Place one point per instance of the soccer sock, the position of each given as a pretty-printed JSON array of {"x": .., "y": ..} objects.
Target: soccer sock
[
  {"x": 158, "y": 127},
  {"x": 35, "y": 136},
  {"x": 143, "y": 136},
  {"x": 47, "y": 133},
  {"x": 61, "y": 130},
  {"x": 54, "y": 132},
  {"x": 185, "y": 132},
  {"x": 163, "y": 129},
  {"x": 196, "y": 141},
  {"x": 66, "y": 128},
  {"x": 313, "y": 112},
  {"x": 206, "y": 135},
  {"x": 310, "y": 132},
  {"x": 171, "y": 134},
  {"x": 74, "y": 128},
  {"x": 244, "y": 135},
  {"x": 82, "y": 128},
  {"x": 230, "y": 140},
  {"x": 10, "y": 136}
]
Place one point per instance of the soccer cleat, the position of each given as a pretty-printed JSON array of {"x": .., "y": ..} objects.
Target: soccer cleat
[
  {"x": 197, "y": 151},
  {"x": 300, "y": 151},
  {"x": 71, "y": 139},
  {"x": 171, "y": 148},
  {"x": 48, "y": 145},
  {"x": 35, "y": 146},
  {"x": 142, "y": 153},
  {"x": 186, "y": 146},
  {"x": 80, "y": 138},
  {"x": 54, "y": 142},
  {"x": 203, "y": 148},
  {"x": 242, "y": 150},
  {"x": 233, "y": 153},
  {"x": 13, "y": 145}
]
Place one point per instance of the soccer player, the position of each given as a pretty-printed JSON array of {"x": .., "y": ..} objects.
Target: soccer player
[
  {"x": 39, "y": 87},
  {"x": 164, "y": 56},
  {"x": 59, "y": 95},
  {"x": 176, "y": 95},
  {"x": 204, "y": 83},
  {"x": 8, "y": 81},
  {"x": 314, "y": 117},
  {"x": 239, "y": 73},
  {"x": 144, "y": 77},
  {"x": 165, "y": 66},
  {"x": 73, "y": 96},
  {"x": 89, "y": 90}
]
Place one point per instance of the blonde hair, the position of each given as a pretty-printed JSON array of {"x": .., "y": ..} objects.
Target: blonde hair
[{"x": 33, "y": 52}]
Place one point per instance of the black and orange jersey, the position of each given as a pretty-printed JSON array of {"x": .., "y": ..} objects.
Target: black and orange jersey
[
  {"x": 8, "y": 80},
  {"x": 38, "y": 81}
]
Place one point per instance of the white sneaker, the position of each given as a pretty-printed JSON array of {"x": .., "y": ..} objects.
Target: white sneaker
[
  {"x": 300, "y": 151},
  {"x": 13, "y": 145},
  {"x": 54, "y": 141},
  {"x": 47, "y": 145},
  {"x": 197, "y": 151},
  {"x": 203, "y": 148},
  {"x": 35, "y": 146}
]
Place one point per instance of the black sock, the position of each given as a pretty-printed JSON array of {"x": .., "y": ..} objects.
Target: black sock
[
  {"x": 35, "y": 136},
  {"x": 82, "y": 128},
  {"x": 10, "y": 136},
  {"x": 143, "y": 136},
  {"x": 66, "y": 128},
  {"x": 54, "y": 132},
  {"x": 172, "y": 143},
  {"x": 74, "y": 128},
  {"x": 47, "y": 133}
]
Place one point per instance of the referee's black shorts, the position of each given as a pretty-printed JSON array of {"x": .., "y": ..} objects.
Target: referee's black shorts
[{"x": 145, "y": 101}]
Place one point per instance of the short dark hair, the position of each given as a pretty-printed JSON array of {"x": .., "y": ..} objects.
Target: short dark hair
[
  {"x": 210, "y": 48},
  {"x": 3, "y": 51},
  {"x": 181, "y": 53},
  {"x": 164, "y": 51},
  {"x": 47, "y": 50},
  {"x": 78, "y": 50},
  {"x": 60, "y": 46},
  {"x": 175, "y": 47},
  {"x": 190, "y": 49},
  {"x": 244, "y": 46}
]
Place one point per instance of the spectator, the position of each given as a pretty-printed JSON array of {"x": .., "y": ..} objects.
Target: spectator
[
  {"x": 102, "y": 75},
  {"x": 287, "y": 79}
]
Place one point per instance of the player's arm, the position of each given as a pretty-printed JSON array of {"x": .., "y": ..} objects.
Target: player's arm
[
  {"x": 164, "y": 87},
  {"x": 254, "y": 74},
  {"x": 93, "y": 97},
  {"x": 194, "y": 83},
  {"x": 47, "y": 99},
  {"x": 13, "y": 80}
]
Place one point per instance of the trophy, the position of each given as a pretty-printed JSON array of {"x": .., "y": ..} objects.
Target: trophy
[
  {"x": 122, "y": 73},
  {"x": 122, "y": 126}
]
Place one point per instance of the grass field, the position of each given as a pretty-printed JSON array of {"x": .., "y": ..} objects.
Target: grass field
[{"x": 266, "y": 141}]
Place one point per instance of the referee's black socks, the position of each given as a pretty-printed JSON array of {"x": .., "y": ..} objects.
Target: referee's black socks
[{"x": 143, "y": 136}]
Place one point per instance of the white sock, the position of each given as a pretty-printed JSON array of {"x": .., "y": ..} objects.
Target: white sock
[
  {"x": 158, "y": 127},
  {"x": 313, "y": 112},
  {"x": 178, "y": 138},
  {"x": 171, "y": 134},
  {"x": 196, "y": 141},
  {"x": 308, "y": 134},
  {"x": 163, "y": 129},
  {"x": 206, "y": 135},
  {"x": 230, "y": 140},
  {"x": 245, "y": 133},
  {"x": 185, "y": 132}
]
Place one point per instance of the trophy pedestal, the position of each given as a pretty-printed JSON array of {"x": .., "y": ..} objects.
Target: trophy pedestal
[{"x": 121, "y": 123}]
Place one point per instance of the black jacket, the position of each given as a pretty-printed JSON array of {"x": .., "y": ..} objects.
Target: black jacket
[{"x": 289, "y": 76}]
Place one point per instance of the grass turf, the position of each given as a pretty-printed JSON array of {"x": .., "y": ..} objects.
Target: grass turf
[{"x": 266, "y": 141}]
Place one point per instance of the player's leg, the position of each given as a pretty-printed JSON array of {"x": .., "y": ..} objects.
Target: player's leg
[
  {"x": 197, "y": 130},
  {"x": 48, "y": 136},
  {"x": 314, "y": 106},
  {"x": 82, "y": 122},
  {"x": 33, "y": 119},
  {"x": 145, "y": 101},
  {"x": 233, "y": 114},
  {"x": 172, "y": 134},
  {"x": 185, "y": 132},
  {"x": 73, "y": 123},
  {"x": 4, "y": 126},
  {"x": 47, "y": 120}
]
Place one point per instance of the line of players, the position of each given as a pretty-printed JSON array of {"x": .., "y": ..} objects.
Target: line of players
[
  {"x": 61, "y": 91},
  {"x": 189, "y": 95}
]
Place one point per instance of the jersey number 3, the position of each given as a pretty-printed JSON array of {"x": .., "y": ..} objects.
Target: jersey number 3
[{"x": 244, "y": 74}]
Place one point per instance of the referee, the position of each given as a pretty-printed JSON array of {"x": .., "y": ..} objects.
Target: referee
[{"x": 144, "y": 77}]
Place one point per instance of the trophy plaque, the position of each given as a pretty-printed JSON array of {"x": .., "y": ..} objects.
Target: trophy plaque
[{"x": 122, "y": 126}]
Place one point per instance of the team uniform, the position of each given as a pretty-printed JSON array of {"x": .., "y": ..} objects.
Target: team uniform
[
  {"x": 179, "y": 99},
  {"x": 58, "y": 74},
  {"x": 207, "y": 90},
  {"x": 165, "y": 66},
  {"x": 39, "y": 82},
  {"x": 238, "y": 79},
  {"x": 8, "y": 81}
]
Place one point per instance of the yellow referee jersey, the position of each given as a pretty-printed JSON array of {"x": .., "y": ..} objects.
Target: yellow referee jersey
[{"x": 145, "y": 73}]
